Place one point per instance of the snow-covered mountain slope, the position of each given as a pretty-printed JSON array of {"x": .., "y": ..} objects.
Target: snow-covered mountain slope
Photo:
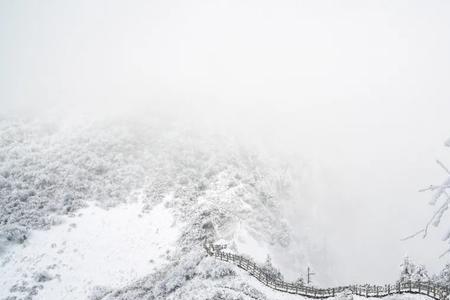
[
  {"x": 119, "y": 209},
  {"x": 89, "y": 176}
]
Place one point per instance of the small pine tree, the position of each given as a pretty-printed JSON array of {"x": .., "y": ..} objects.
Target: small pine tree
[
  {"x": 420, "y": 274},
  {"x": 407, "y": 269},
  {"x": 270, "y": 270},
  {"x": 299, "y": 282}
]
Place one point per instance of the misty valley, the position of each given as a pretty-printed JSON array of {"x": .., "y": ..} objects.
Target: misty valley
[{"x": 224, "y": 150}]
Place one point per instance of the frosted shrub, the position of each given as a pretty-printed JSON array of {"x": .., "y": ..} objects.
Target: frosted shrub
[
  {"x": 42, "y": 276},
  {"x": 345, "y": 295},
  {"x": 14, "y": 233},
  {"x": 214, "y": 269},
  {"x": 99, "y": 292}
]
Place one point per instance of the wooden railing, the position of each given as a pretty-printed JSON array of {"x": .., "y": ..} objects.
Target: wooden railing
[{"x": 430, "y": 289}]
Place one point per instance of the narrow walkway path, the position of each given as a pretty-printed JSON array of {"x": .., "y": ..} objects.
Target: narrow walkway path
[{"x": 424, "y": 288}]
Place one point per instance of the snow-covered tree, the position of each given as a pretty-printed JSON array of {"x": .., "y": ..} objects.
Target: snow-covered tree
[
  {"x": 300, "y": 281},
  {"x": 270, "y": 270},
  {"x": 409, "y": 271},
  {"x": 420, "y": 274},
  {"x": 443, "y": 278}
]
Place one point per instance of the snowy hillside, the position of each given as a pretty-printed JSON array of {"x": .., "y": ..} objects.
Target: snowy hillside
[
  {"x": 119, "y": 209},
  {"x": 224, "y": 150},
  {"x": 89, "y": 207},
  {"x": 96, "y": 247}
]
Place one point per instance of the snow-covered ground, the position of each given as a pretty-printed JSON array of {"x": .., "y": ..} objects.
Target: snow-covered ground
[{"x": 96, "y": 247}]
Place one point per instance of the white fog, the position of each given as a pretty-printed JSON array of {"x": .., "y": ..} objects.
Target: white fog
[{"x": 352, "y": 95}]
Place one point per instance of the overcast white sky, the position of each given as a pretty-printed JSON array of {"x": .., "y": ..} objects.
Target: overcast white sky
[{"x": 360, "y": 88}]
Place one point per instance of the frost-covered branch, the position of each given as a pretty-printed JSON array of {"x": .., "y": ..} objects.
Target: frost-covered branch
[{"x": 441, "y": 191}]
